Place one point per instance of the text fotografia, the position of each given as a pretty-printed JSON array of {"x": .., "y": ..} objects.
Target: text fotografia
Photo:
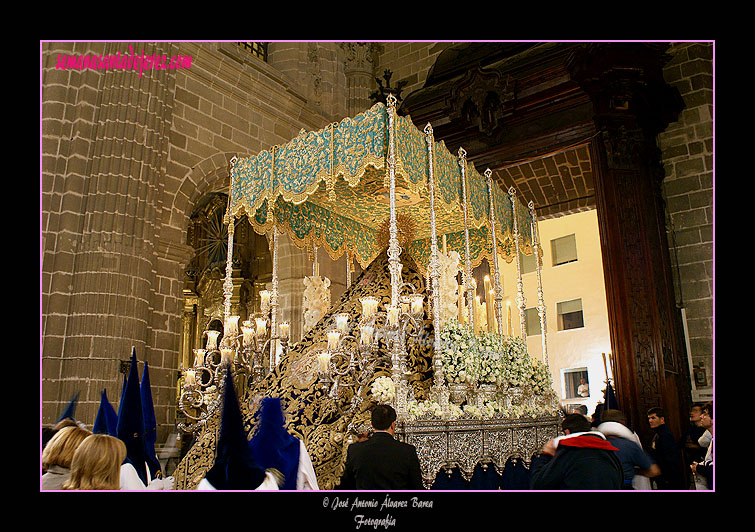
[
  {"x": 125, "y": 61},
  {"x": 360, "y": 504}
]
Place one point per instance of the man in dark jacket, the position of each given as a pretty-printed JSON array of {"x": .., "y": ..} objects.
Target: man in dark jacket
[
  {"x": 665, "y": 452},
  {"x": 382, "y": 462},
  {"x": 582, "y": 459}
]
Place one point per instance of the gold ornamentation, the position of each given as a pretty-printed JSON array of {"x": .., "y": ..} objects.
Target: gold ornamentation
[{"x": 311, "y": 417}]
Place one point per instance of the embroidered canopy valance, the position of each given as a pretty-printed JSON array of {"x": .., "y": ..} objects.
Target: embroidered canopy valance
[{"x": 329, "y": 188}]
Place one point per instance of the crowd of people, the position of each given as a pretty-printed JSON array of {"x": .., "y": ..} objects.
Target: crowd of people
[
  {"x": 598, "y": 453},
  {"x": 603, "y": 452}
]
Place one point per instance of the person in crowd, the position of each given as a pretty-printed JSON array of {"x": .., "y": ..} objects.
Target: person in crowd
[
  {"x": 583, "y": 390},
  {"x": 382, "y": 462},
  {"x": 274, "y": 448},
  {"x": 704, "y": 469},
  {"x": 634, "y": 460},
  {"x": 579, "y": 409},
  {"x": 58, "y": 455},
  {"x": 49, "y": 432},
  {"x": 665, "y": 452},
  {"x": 692, "y": 450},
  {"x": 582, "y": 459},
  {"x": 96, "y": 464}
]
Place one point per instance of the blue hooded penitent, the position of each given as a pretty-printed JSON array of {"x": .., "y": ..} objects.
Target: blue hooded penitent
[
  {"x": 150, "y": 423},
  {"x": 70, "y": 409},
  {"x": 234, "y": 468},
  {"x": 272, "y": 446},
  {"x": 610, "y": 397},
  {"x": 130, "y": 427},
  {"x": 106, "y": 421}
]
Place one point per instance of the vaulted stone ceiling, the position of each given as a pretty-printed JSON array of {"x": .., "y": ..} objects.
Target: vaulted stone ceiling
[{"x": 514, "y": 109}]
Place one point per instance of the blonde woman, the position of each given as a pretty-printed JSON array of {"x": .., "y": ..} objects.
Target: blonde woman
[
  {"x": 58, "y": 454},
  {"x": 97, "y": 463}
]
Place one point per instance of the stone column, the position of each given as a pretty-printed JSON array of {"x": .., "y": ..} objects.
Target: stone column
[
  {"x": 632, "y": 105},
  {"x": 121, "y": 287},
  {"x": 360, "y": 75}
]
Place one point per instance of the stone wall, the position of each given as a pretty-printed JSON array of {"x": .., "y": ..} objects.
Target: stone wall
[
  {"x": 125, "y": 157},
  {"x": 409, "y": 61},
  {"x": 687, "y": 151}
]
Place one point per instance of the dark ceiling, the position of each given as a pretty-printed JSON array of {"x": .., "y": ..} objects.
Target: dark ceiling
[{"x": 514, "y": 109}]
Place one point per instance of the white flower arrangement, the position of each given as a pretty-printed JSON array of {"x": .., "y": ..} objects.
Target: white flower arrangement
[
  {"x": 459, "y": 350},
  {"x": 517, "y": 367},
  {"x": 419, "y": 409},
  {"x": 490, "y": 359},
  {"x": 383, "y": 390},
  {"x": 542, "y": 382},
  {"x": 492, "y": 409}
]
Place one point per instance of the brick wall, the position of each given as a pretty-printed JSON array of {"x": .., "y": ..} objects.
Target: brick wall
[{"x": 687, "y": 150}]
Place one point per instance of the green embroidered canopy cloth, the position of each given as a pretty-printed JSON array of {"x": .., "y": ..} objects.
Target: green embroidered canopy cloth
[{"x": 329, "y": 188}]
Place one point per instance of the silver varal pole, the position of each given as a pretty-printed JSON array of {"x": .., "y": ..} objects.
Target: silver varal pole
[
  {"x": 519, "y": 284},
  {"x": 394, "y": 251},
  {"x": 228, "y": 283},
  {"x": 494, "y": 262},
  {"x": 540, "y": 294},
  {"x": 467, "y": 255},
  {"x": 274, "y": 304},
  {"x": 434, "y": 265},
  {"x": 394, "y": 265}
]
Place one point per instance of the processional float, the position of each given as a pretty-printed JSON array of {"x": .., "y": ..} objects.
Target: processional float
[{"x": 376, "y": 188}]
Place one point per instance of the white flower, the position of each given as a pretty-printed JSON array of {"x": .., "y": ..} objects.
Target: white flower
[{"x": 383, "y": 390}]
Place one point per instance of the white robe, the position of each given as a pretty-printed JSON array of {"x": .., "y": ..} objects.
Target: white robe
[
  {"x": 305, "y": 477},
  {"x": 269, "y": 484},
  {"x": 130, "y": 480},
  {"x": 615, "y": 429}
]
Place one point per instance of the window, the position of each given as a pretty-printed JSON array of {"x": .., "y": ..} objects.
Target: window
[
  {"x": 564, "y": 250},
  {"x": 532, "y": 321},
  {"x": 528, "y": 263},
  {"x": 257, "y": 49},
  {"x": 576, "y": 384},
  {"x": 570, "y": 315}
]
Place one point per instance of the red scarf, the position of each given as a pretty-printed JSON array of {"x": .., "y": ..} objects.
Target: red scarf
[{"x": 587, "y": 441}]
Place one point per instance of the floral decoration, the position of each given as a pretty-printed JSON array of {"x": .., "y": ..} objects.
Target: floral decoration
[{"x": 383, "y": 390}]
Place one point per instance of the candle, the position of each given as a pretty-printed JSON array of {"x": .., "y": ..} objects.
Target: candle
[
  {"x": 248, "y": 331},
  {"x": 265, "y": 301},
  {"x": 284, "y": 328},
  {"x": 342, "y": 321},
  {"x": 369, "y": 306},
  {"x": 461, "y": 304},
  {"x": 489, "y": 312},
  {"x": 212, "y": 340},
  {"x": 477, "y": 315},
  {"x": 190, "y": 378},
  {"x": 199, "y": 358},
  {"x": 333, "y": 337},
  {"x": 417, "y": 303},
  {"x": 393, "y": 315},
  {"x": 226, "y": 354},
  {"x": 261, "y": 327},
  {"x": 508, "y": 317},
  {"x": 489, "y": 301},
  {"x": 232, "y": 326},
  {"x": 366, "y": 338},
  {"x": 324, "y": 359}
]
